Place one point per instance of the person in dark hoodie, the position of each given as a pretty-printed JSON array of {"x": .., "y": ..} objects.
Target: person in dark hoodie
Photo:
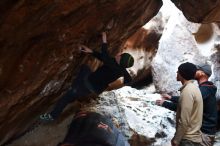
[
  {"x": 208, "y": 90},
  {"x": 93, "y": 129},
  {"x": 88, "y": 82}
]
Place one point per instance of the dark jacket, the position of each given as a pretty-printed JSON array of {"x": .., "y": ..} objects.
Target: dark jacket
[
  {"x": 107, "y": 73},
  {"x": 93, "y": 129},
  {"x": 210, "y": 117}
]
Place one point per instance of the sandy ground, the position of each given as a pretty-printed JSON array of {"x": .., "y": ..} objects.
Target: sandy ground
[
  {"x": 48, "y": 134},
  {"x": 44, "y": 135}
]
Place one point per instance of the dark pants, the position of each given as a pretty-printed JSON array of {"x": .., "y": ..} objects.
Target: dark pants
[
  {"x": 185, "y": 142},
  {"x": 77, "y": 90},
  {"x": 218, "y": 125}
]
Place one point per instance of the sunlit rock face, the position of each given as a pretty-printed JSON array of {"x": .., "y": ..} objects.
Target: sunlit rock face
[
  {"x": 183, "y": 41},
  {"x": 215, "y": 58},
  {"x": 143, "y": 46},
  {"x": 136, "y": 114},
  {"x": 39, "y": 54},
  {"x": 177, "y": 45},
  {"x": 202, "y": 11}
]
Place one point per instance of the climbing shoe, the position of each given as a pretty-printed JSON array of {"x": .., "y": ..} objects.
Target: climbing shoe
[{"x": 46, "y": 117}]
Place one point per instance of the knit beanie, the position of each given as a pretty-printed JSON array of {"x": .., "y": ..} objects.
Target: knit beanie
[
  {"x": 206, "y": 68},
  {"x": 187, "y": 70},
  {"x": 126, "y": 60}
]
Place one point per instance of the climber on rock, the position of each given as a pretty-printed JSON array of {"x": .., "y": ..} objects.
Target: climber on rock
[{"x": 88, "y": 82}]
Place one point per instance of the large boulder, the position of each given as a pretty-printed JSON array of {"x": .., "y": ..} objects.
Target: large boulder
[
  {"x": 177, "y": 45},
  {"x": 184, "y": 41},
  {"x": 39, "y": 54},
  {"x": 143, "y": 46}
]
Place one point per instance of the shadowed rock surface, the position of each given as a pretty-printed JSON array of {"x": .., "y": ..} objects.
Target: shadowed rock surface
[
  {"x": 39, "y": 55},
  {"x": 201, "y": 11}
]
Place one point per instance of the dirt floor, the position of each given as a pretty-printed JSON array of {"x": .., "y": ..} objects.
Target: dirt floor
[
  {"x": 44, "y": 135},
  {"x": 48, "y": 134}
]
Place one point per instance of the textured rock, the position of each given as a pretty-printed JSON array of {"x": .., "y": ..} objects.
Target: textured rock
[
  {"x": 177, "y": 45},
  {"x": 136, "y": 113},
  {"x": 38, "y": 54},
  {"x": 184, "y": 41},
  {"x": 204, "y": 33},
  {"x": 143, "y": 46},
  {"x": 201, "y": 11},
  {"x": 133, "y": 111},
  {"x": 215, "y": 59}
]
